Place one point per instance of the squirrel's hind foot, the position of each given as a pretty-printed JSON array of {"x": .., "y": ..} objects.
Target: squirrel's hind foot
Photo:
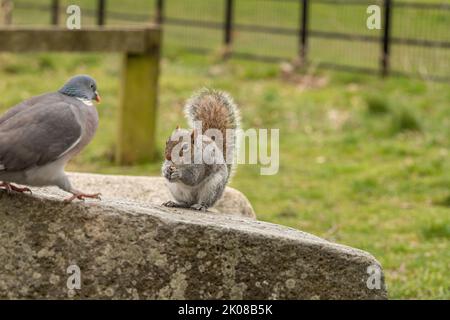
[
  {"x": 199, "y": 207},
  {"x": 196, "y": 207},
  {"x": 173, "y": 204}
]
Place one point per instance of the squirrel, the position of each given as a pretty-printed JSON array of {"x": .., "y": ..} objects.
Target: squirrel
[{"x": 199, "y": 161}]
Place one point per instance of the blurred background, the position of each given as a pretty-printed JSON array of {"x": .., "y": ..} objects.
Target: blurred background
[{"x": 364, "y": 115}]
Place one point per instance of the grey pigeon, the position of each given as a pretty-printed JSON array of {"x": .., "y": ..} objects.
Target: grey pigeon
[{"x": 40, "y": 135}]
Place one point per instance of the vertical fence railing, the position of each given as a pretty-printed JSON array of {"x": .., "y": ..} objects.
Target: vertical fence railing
[
  {"x": 6, "y": 9},
  {"x": 386, "y": 38},
  {"x": 101, "y": 8},
  {"x": 159, "y": 16},
  {"x": 302, "y": 33},
  {"x": 303, "y": 43},
  {"x": 228, "y": 28},
  {"x": 55, "y": 12}
]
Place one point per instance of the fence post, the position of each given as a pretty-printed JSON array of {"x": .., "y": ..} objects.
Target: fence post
[
  {"x": 386, "y": 38},
  {"x": 6, "y": 9},
  {"x": 304, "y": 32},
  {"x": 101, "y": 5},
  {"x": 159, "y": 17},
  {"x": 228, "y": 28},
  {"x": 136, "y": 140},
  {"x": 55, "y": 12}
]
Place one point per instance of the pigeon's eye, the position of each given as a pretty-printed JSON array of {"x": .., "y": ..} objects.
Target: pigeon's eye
[{"x": 92, "y": 86}]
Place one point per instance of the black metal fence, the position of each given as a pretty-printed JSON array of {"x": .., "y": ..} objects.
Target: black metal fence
[{"x": 414, "y": 38}]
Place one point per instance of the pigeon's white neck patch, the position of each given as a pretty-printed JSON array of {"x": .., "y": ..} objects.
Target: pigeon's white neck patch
[
  {"x": 86, "y": 101},
  {"x": 2, "y": 167}
]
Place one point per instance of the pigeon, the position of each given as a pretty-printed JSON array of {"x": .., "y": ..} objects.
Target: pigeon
[{"x": 39, "y": 136}]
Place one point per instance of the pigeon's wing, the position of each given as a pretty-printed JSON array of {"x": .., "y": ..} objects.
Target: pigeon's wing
[
  {"x": 48, "y": 97},
  {"x": 38, "y": 134}
]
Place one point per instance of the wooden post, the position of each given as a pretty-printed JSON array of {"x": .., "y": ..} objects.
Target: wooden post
[
  {"x": 138, "y": 106},
  {"x": 228, "y": 28},
  {"x": 159, "y": 17},
  {"x": 6, "y": 10},
  {"x": 101, "y": 5},
  {"x": 386, "y": 39},
  {"x": 303, "y": 50},
  {"x": 55, "y": 12}
]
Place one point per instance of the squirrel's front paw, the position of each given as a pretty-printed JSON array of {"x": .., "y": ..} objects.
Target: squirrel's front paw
[
  {"x": 172, "y": 174},
  {"x": 175, "y": 175}
]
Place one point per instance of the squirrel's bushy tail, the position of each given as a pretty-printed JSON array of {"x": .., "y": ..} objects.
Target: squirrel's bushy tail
[{"x": 216, "y": 110}]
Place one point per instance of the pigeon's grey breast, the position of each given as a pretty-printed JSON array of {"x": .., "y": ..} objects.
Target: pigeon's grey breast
[
  {"x": 87, "y": 116},
  {"x": 43, "y": 129}
]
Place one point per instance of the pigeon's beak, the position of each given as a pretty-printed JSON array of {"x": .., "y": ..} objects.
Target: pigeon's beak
[{"x": 97, "y": 97}]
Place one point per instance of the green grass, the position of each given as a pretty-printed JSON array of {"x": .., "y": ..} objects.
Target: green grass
[
  {"x": 363, "y": 162},
  {"x": 348, "y": 172}
]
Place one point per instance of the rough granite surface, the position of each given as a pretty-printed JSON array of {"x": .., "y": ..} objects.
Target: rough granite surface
[
  {"x": 152, "y": 190},
  {"x": 132, "y": 248}
]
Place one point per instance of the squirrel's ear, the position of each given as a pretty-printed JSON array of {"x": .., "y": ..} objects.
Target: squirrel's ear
[{"x": 178, "y": 127}]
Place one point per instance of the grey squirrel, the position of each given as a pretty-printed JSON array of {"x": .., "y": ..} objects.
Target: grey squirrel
[{"x": 199, "y": 161}]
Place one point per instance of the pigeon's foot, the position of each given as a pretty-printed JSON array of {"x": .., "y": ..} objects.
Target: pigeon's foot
[
  {"x": 10, "y": 188},
  {"x": 83, "y": 196}
]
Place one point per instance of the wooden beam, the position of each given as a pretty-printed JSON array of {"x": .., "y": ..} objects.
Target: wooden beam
[{"x": 100, "y": 39}]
